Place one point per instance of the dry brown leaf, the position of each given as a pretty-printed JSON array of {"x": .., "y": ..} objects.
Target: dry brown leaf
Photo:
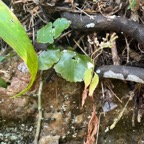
[
  {"x": 84, "y": 96},
  {"x": 92, "y": 128}
]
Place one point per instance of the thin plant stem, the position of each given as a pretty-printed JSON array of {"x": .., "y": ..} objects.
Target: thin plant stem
[{"x": 39, "y": 110}]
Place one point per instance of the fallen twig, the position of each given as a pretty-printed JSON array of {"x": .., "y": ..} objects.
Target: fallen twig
[
  {"x": 115, "y": 57},
  {"x": 121, "y": 114}
]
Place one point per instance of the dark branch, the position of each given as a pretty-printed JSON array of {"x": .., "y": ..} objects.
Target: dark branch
[
  {"x": 127, "y": 73},
  {"x": 112, "y": 23}
]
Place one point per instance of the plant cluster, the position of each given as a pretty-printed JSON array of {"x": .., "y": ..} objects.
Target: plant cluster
[
  {"x": 72, "y": 66},
  {"x": 69, "y": 64}
]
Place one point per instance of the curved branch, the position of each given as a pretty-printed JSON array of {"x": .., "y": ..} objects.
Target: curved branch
[
  {"x": 127, "y": 73},
  {"x": 112, "y": 23}
]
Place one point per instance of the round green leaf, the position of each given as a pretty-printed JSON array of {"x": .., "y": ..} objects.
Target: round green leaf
[
  {"x": 48, "y": 58},
  {"x": 46, "y": 34},
  {"x": 60, "y": 25},
  {"x": 72, "y": 66}
]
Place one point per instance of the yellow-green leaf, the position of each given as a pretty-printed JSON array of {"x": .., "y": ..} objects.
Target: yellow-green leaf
[
  {"x": 13, "y": 33},
  {"x": 87, "y": 77},
  {"x": 93, "y": 84}
]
